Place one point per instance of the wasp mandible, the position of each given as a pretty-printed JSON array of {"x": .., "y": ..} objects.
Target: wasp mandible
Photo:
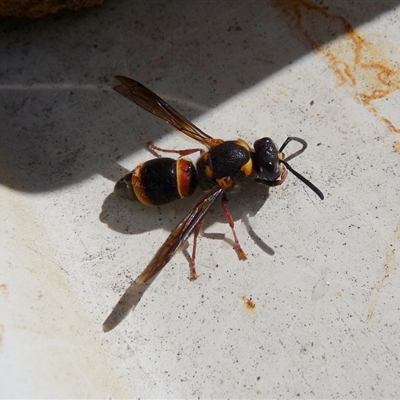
[{"x": 223, "y": 166}]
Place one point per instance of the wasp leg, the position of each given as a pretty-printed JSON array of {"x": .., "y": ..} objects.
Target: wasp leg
[
  {"x": 155, "y": 150},
  {"x": 192, "y": 262},
  {"x": 239, "y": 251}
]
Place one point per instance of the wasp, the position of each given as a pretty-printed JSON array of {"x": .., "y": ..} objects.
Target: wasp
[{"x": 222, "y": 167}]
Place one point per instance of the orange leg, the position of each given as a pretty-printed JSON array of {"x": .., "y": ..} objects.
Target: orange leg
[
  {"x": 239, "y": 251},
  {"x": 155, "y": 149},
  {"x": 193, "y": 273}
]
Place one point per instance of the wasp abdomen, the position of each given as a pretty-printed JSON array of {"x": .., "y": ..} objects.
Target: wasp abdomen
[
  {"x": 124, "y": 188},
  {"x": 159, "y": 181}
]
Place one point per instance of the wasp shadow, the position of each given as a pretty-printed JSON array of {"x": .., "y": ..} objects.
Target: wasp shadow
[
  {"x": 240, "y": 206},
  {"x": 133, "y": 218}
]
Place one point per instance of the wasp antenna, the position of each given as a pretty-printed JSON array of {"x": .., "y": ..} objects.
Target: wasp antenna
[
  {"x": 304, "y": 180},
  {"x": 295, "y": 139}
]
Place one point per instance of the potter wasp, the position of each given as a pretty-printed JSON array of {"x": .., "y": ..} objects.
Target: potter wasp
[{"x": 223, "y": 166}]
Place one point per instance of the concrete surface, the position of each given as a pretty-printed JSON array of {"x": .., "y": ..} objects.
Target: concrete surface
[{"x": 315, "y": 310}]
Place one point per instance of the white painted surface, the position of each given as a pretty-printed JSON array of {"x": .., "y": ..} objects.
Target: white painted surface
[{"x": 326, "y": 316}]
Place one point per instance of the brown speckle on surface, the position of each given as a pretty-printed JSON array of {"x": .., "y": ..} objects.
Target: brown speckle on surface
[{"x": 250, "y": 305}]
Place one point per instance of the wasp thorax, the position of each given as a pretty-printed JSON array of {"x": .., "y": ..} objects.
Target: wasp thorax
[{"x": 266, "y": 159}]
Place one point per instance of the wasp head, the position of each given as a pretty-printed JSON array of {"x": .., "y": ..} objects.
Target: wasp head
[{"x": 267, "y": 160}]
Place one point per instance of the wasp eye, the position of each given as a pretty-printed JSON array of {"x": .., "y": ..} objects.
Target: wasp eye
[{"x": 272, "y": 170}]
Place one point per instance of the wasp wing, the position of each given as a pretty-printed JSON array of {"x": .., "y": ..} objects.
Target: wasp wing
[
  {"x": 180, "y": 234},
  {"x": 174, "y": 242},
  {"x": 155, "y": 105}
]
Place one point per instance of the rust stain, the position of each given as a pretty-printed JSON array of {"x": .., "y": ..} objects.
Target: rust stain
[
  {"x": 357, "y": 64},
  {"x": 396, "y": 147},
  {"x": 387, "y": 269},
  {"x": 250, "y": 305}
]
